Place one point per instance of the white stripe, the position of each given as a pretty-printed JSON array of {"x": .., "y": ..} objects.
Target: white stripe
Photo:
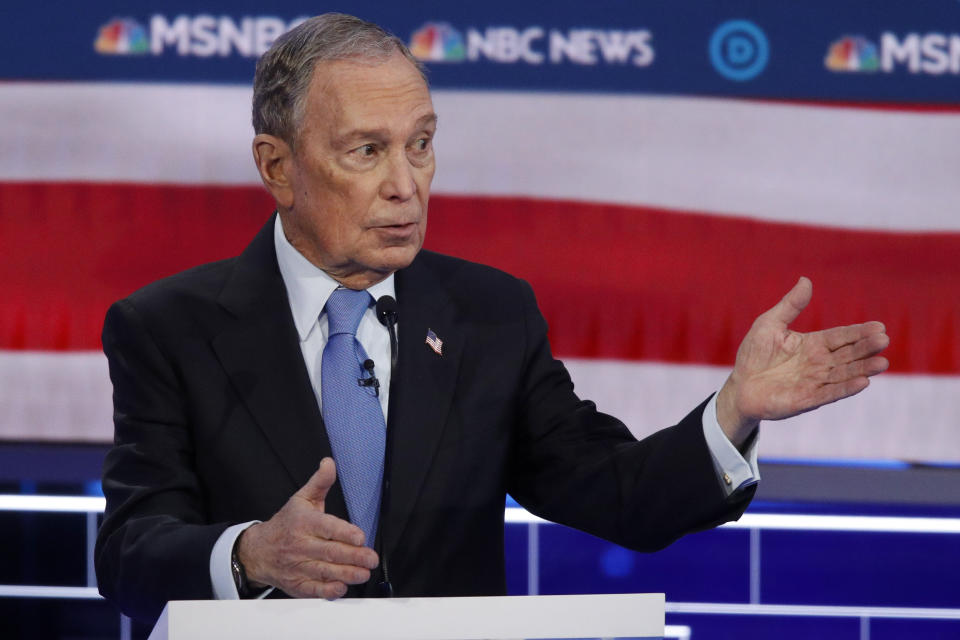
[
  {"x": 803, "y": 522},
  {"x": 755, "y": 565},
  {"x": 887, "y": 524},
  {"x": 67, "y": 396},
  {"x": 812, "y": 610},
  {"x": 899, "y": 417},
  {"x": 56, "y": 504},
  {"x": 515, "y": 515},
  {"x": 819, "y": 165},
  {"x": 55, "y": 396},
  {"x": 32, "y": 591},
  {"x": 116, "y": 132},
  {"x": 679, "y": 631}
]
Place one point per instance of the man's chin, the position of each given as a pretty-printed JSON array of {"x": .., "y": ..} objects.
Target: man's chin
[{"x": 396, "y": 258}]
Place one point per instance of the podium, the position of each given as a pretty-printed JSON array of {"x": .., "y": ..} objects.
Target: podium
[{"x": 617, "y": 616}]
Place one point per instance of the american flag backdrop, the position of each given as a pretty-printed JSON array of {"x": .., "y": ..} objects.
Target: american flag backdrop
[{"x": 655, "y": 215}]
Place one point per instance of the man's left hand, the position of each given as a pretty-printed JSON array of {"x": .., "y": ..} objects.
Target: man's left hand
[{"x": 781, "y": 373}]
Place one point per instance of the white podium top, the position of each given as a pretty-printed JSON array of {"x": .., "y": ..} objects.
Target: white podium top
[{"x": 489, "y": 618}]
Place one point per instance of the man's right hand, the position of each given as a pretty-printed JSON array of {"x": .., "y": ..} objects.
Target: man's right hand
[{"x": 304, "y": 551}]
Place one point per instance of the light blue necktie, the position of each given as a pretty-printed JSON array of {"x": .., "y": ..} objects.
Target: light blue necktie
[{"x": 351, "y": 412}]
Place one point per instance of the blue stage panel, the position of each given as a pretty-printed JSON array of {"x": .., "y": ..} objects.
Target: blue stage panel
[
  {"x": 43, "y": 548},
  {"x": 736, "y": 627},
  {"x": 515, "y": 555},
  {"x": 884, "y": 629},
  {"x": 858, "y": 568},
  {"x": 708, "y": 567},
  {"x": 40, "y": 619}
]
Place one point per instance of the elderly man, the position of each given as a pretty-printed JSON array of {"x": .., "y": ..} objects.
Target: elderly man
[{"x": 237, "y": 384}]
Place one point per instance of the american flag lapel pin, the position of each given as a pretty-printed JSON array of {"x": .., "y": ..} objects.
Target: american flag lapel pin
[{"x": 434, "y": 342}]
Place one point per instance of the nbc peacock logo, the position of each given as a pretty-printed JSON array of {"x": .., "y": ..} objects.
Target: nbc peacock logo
[
  {"x": 122, "y": 36},
  {"x": 852, "y": 53},
  {"x": 438, "y": 42}
]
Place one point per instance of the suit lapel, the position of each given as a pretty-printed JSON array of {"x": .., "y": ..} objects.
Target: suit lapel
[
  {"x": 420, "y": 397},
  {"x": 260, "y": 352}
]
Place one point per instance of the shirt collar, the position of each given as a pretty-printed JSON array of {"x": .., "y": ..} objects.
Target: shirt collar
[{"x": 308, "y": 286}]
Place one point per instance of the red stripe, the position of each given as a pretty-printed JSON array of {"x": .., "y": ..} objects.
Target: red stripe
[
  {"x": 906, "y": 107},
  {"x": 650, "y": 284},
  {"x": 614, "y": 282},
  {"x": 70, "y": 249}
]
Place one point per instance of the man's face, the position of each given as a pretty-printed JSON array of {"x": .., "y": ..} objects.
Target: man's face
[{"x": 360, "y": 175}]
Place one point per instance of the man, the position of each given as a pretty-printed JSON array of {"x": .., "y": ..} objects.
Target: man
[{"x": 221, "y": 482}]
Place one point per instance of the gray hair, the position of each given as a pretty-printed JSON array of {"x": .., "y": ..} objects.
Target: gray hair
[{"x": 283, "y": 74}]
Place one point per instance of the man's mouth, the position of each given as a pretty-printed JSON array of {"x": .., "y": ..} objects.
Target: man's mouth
[{"x": 399, "y": 231}]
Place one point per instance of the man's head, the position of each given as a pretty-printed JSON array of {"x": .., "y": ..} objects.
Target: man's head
[{"x": 344, "y": 127}]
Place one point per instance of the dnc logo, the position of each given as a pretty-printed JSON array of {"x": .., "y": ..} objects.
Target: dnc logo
[
  {"x": 122, "y": 36},
  {"x": 437, "y": 42},
  {"x": 852, "y": 53},
  {"x": 739, "y": 50}
]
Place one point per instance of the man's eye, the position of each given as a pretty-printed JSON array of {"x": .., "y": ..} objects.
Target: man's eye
[
  {"x": 422, "y": 144},
  {"x": 365, "y": 152}
]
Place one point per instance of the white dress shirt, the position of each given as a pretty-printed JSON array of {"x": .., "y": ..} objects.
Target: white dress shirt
[{"x": 308, "y": 289}]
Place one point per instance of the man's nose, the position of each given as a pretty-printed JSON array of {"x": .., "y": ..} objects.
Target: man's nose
[{"x": 398, "y": 184}]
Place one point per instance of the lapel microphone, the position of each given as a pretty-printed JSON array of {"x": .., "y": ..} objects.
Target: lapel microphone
[
  {"x": 387, "y": 314},
  {"x": 371, "y": 379}
]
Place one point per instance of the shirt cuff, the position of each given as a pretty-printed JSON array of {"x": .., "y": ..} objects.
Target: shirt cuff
[
  {"x": 221, "y": 573},
  {"x": 734, "y": 471}
]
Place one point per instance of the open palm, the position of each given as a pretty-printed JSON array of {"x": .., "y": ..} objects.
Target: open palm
[{"x": 780, "y": 373}]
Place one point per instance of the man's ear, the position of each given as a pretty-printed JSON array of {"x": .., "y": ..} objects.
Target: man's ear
[{"x": 274, "y": 159}]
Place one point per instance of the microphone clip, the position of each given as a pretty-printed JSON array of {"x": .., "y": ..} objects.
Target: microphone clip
[{"x": 371, "y": 381}]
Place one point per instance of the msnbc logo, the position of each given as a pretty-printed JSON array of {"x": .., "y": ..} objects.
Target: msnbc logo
[
  {"x": 852, "y": 53},
  {"x": 200, "y": 36},
  {"x": 920, "y": 53},
  {"x": 437, "y": 42},
  {"x": 122, "y": 36}
]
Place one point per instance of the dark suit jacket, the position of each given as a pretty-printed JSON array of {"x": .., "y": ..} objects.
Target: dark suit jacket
[{"x": 216, "y": 423}]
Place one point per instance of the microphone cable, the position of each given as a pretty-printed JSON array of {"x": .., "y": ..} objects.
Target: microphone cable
[{"x": 387, "y": 314}]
